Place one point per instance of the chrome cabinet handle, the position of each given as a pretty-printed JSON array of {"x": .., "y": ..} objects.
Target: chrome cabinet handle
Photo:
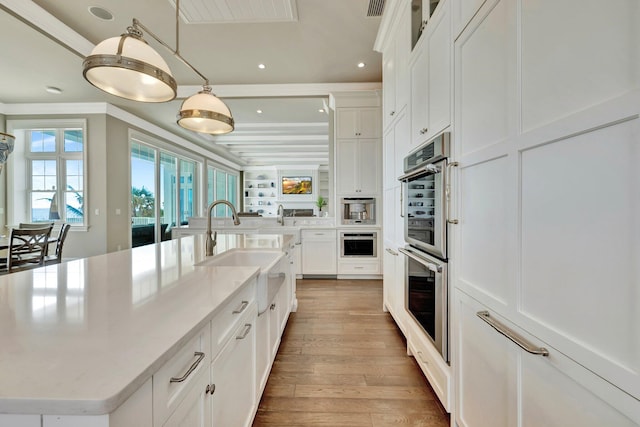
[
  {"x": 247, "y": 328},
  {"x": 448, "y": 191},
  {"x": 391, "y": 251},
  {"x": 194, "y": 365},
  {"x": 211, "y": 388},
  {"x": 392, "y": 113},
  {"x": 402, "y": 200},
  {"x": 272, "y": 306},
  {"x": 243, "y": 306},
  {"x": 512, "y": 335},
  {"x": 423, "y": 131}
]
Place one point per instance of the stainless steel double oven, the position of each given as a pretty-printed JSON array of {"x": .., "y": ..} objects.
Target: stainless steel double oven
[{"x": 426, "y": 186}]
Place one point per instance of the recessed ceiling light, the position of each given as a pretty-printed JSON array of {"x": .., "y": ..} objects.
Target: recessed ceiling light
[
  {"x": 262, "y": 66},
  {"x": 361, "y": 64},
  {"x": 53, "y": 89},
  {"x": 259, "y": 111},
  {"x": 321, "y": 110},
  {"x": 101, "y": 13}
]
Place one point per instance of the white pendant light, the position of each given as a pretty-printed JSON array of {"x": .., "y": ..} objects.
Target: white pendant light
[
  {"x": 128, "y": 67},
  {"x": 204, "y": 112}
]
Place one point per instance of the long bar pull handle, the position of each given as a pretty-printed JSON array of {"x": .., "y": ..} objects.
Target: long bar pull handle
[
  {"x": 512, "y": 335},
  {"x": 448, "y": 192},
  {"x": 247, "y": 328},
  {"x": 194, "y": 365},
  {"x": 391, "y": 251},
  {"x": 402, "y": 200},
  {"x": 242, "y": 307}
]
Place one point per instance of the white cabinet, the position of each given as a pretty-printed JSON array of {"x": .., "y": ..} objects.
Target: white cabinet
[
  {"x": 179, "y": 385},
  {"x": 319, "y": 252},
  {"x": 261, "y": 192},
  {"x": 358, "y": 122},
  {"x": 430, "y": 77},
  {"x": 395, "y": 87},
  {"x": 358, "y": 166},
  {"x": 233, "y": 376},
  {"x": 502, "y": 385},
  {"x": 531, "y": 144}
]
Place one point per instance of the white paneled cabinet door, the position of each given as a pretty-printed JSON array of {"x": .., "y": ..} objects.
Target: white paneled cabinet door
[
  {"x": 368, "y": 166},
  {"x": 419, "y": 103},
  {"x": 233, "y": 374},
  {"x": 438, "y": 44},
  {"x": 547, "y": 199},
  {"x": 502, "y": 385},
  {"x": 358, "y": 122},
  {"x": 195, "y": 409},
  {"x": 346, "y": 162}
]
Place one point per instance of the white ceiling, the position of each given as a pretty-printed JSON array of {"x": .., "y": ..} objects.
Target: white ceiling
[{"x": 314, "y": 52}]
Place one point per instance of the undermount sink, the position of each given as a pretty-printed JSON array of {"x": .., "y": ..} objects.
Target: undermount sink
[{"x": 272, "y": 273}]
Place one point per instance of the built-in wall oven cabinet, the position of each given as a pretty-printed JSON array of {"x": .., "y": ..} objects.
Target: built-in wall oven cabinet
[
  {"x": 427, "y": 296},
  {"x": 425, "y": 192}
]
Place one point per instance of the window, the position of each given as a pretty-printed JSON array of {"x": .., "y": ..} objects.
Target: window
[
  {"x": 222, "y": 185},
  {"x": 54, "y": 164},
  {"x": 163, "y": 189}
]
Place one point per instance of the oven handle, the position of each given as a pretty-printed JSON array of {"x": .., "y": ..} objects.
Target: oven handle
[
  {"x": 431, "y": 266},
  {"x": 429, "y": 169},
  {"x": 448, "y": 192}
]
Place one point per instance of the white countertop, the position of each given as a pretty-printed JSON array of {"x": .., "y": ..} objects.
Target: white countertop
[{"x": 80, "y": 337}]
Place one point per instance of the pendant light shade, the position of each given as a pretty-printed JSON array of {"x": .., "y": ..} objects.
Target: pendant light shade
[
  {"x": 205, "y": 113},
  {"x": 128, "y": 67}
]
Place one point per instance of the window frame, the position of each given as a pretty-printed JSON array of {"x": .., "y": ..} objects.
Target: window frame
[{"x": 23, "y": 156}]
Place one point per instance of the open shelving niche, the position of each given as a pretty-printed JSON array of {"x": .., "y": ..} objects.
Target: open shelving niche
[{"x": 262, "y": 191}]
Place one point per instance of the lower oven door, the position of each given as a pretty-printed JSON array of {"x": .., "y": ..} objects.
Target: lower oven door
[{"x": 426, "y": 296}]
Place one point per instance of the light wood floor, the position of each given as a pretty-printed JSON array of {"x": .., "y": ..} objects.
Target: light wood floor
[{"x": 343, "y": 362}]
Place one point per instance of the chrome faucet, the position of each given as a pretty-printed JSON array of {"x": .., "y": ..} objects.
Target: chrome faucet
[
  {"x": 212, "y": 240},
  {"x": 280, "y": 215}
]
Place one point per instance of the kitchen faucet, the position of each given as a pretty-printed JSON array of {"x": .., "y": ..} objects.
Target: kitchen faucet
[
  {"x": 212, "y": 240},
  {"x": 280, "y": 215}
]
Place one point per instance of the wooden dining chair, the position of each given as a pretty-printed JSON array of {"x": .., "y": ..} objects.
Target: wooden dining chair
[
  {"x": 27, "y": 248},
  {"x": 56, "y": 258}
]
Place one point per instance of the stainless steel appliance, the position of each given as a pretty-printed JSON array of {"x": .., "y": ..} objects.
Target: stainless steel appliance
[
  {"x": 427, "y": 296},
  {"x": 356, "y": 211},
  {"x": 425, "y": 196},
  {"x": 358, "y": 244}
]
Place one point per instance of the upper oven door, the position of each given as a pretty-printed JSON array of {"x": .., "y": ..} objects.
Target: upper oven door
[{"x": 424, "y": 207}]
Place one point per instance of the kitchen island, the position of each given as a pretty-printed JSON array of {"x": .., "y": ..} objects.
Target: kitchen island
[{"x": 84, "y": 338}]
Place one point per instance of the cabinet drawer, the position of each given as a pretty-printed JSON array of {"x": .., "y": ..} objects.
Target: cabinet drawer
[
  {"x": 175, "y": 378},
  {"x": 318, "y": 235},
  {"x": 226, "y": 320},
  {"x": 438, "y": 373},
  {"x": 359, "y": 267}
]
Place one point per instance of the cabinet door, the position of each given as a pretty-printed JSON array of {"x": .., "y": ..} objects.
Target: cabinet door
[
  {"x": 439, "y": 70},
  {"x": 347, "y": 122},
  {"x": 499, "y": 382},
  {"x": 369, "y": 123},
  {"x": 195, "y": 409},
  {"x": 368, "y": 166},
  {"x": 346, "y": 161},
  {"x": 389, "y": 85},
  {"x": 233, "y": 373},
  {"x": 319, "y": 252},
  {"x": 419, "y": 107}
]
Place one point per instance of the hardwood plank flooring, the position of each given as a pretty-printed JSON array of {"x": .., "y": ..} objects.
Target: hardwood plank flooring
[{"x": 343, "y": 362}]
